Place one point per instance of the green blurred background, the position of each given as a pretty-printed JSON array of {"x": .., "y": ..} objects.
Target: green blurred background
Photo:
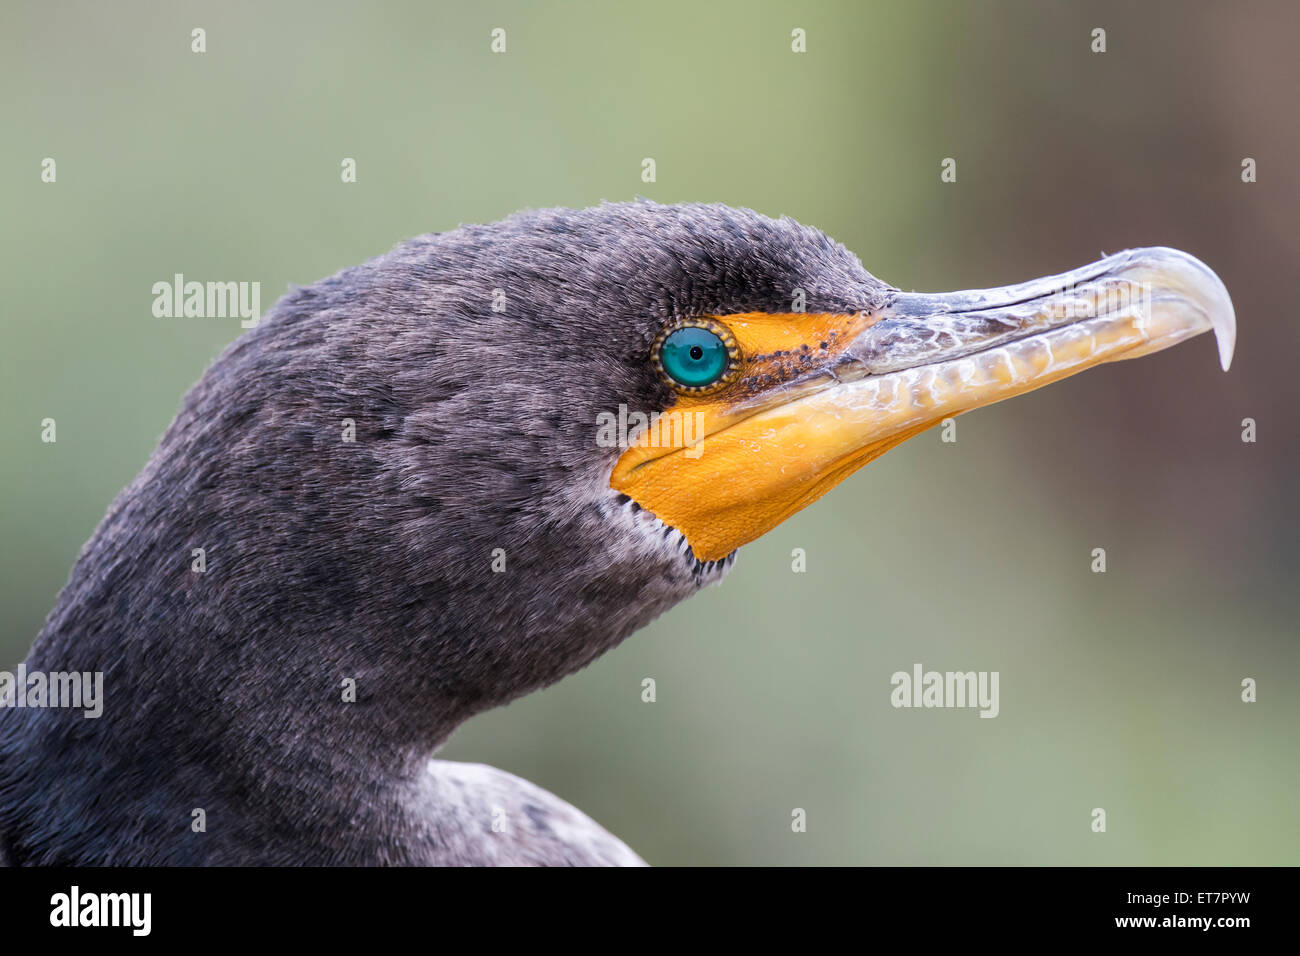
[{"x": 1118, "y": 690}]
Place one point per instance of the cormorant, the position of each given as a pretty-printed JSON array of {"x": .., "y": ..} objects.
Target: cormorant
[{"x": 412, "y": 479}]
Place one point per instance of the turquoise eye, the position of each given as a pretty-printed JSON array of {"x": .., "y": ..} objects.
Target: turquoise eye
[{"x": 697, "y": 357}]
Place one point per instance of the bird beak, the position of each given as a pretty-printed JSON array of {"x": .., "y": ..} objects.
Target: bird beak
[{"x": 768, "y": 452}]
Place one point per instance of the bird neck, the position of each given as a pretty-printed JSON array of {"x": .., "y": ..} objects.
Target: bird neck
[{"x": 256, "y": 686}]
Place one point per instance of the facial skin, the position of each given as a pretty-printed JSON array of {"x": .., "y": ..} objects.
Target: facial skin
[{"x": 813, "y": 397}]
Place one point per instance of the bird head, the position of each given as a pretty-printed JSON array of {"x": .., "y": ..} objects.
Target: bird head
[
  {"x": 604, "y": 404},
  {"x": 721, "y": 370}
]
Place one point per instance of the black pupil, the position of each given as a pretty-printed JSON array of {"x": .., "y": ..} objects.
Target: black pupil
[{"x": 697, "y": 353}]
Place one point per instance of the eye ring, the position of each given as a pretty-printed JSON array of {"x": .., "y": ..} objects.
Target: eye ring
[{"x": 697, "y": 364}]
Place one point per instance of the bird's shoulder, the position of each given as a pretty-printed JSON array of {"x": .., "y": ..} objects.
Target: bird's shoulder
[{"x": 475, "y": 815}]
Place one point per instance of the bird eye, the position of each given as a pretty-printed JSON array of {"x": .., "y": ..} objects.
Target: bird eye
[{"x": 697, "y": 356}]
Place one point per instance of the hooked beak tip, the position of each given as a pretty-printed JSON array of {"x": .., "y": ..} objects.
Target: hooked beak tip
[{"x": 1188, "y": 283}]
